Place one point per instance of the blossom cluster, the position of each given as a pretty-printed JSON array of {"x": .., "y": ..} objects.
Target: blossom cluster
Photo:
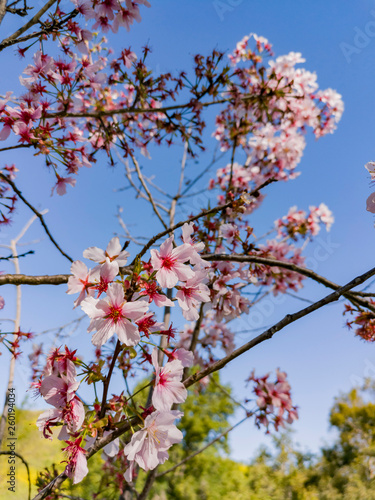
[
  {"x": 299, "y": 223},
  {"x": 273, "y": 400},
  {"x": 271, "y": 133},
  {"x": 58, "y": 387},
  {"x": 363, "y": 323}
]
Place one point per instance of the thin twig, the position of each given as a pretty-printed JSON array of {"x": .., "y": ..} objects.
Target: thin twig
[
  {"x": 24, "y": 462},
  {"x": 149, "y": 195},
  {"x": 38, "y": 214},
  {"x": 186, "y": 459}
]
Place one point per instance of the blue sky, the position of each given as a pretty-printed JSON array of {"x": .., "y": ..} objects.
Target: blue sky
[{"x": 319, "y": 354}]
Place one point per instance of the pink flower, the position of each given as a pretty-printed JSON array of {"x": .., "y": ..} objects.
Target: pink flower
[
  {"x": 229, "y": 232},
  {"x": 81, "y": 282},
  {"x": 57, "y": 391},
  {"x": 113, "y": 252},
  {"x": 148, "y": 447},
  {"x": 191, "y": 294},
  {"x": 61, "y": 184},
  {"x": 195, "y": 259},
  {"x": 184, "y": 356},
  {"x": 77, "y": 463},
  {"x": 2, "y": 302},
  {"x": 112, "y": 315},
  {"x": 151, "y": 290},
  {"x": 168, "y": 386},
  {"x": 108, "y": 272},
  {"x": 169, "y": 263}
]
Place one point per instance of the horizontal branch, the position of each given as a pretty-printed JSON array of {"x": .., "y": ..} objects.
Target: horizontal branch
[
  {"x": 23, "y": 279},
  {"x": 287, "y": 320},
  {"x": 352, "y": 296},
  {"x": 123, "y": 111}
]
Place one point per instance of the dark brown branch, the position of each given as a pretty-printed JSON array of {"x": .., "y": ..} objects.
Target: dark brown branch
[
  {"x": 39, "y": 215},
  {"x": 287, "y": 320},
  {"x": 108, "y": 379},
  {"x": 352, "y": 296},
  {"x": 17, "y": 146},
  {"x": 151, "y": 476},
  {"x": 11, "y": 39},
  {"x": 3, "y": 6},
  {"x": 132, "y": 110}
]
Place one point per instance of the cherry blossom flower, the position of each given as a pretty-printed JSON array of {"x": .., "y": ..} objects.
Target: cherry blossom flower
[
  {"x": 191, "y": 294},
  {"x": 168, "y": 386},
  {"x": 148, "y": 447},
  {"x": 195, "y": 258},
  {"x": 113, "y": 252},
  {"x": 229, "y": 232},
  {"x": 77, "y": 463},
  {"x": 151, "y": 290},
  {"x": 274, "y": 400},
  {"x": 112, "y": 315},
  {"x": 169, "y": 263},
  {"x": 82, "y": 281},
  {"x": 184, "y": 356},
  {"x": 61, "y": 183}
]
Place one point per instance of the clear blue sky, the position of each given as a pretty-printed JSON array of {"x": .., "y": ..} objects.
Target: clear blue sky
[{"x": 319, "y": 354}]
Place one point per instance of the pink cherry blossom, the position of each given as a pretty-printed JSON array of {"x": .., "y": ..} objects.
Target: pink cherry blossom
[
  {"x": 113, "y": 252},
  {"x": 151, "y": 290},
  {"x": 77, "y": 463},
  {"x": 82, "y": 281},
  {"x": 112, "y": 315},
  {"x": 61, "y": 183},
  {"x": 148, "y": 447},
  {"x": 184, "y": 356},
  {"x": 195, "y": 259},
  {"x": 168, "y": 386},
  {"x": 169, "y": 263},
  {"x": 191, "y": 294}
]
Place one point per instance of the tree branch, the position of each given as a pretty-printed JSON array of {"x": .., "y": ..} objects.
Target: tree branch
[
  {"x": 211, "y": 211},
  {"x": 38, "y": 214},
  {"x": 352, "y": 296},
  {"x": 186, "y": 459},
  {"x": 25, "y": 27},
  {"x": 149, "y": 195},
  {"x": 287, "y": 320}
]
